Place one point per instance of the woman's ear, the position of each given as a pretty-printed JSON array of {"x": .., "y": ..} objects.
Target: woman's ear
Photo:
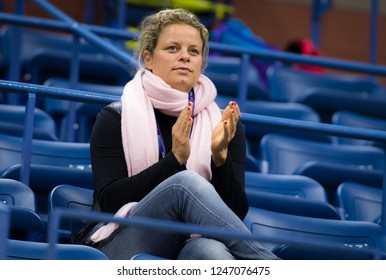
[{"x": 147, "y": 60}]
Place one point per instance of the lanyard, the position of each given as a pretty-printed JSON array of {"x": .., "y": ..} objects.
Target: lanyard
[
  {"x": 191, "y": 98},
  {"x": 161, "y": 142}
]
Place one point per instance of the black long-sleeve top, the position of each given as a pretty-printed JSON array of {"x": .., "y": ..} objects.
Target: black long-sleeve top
[{"x": 113, "y": 187}]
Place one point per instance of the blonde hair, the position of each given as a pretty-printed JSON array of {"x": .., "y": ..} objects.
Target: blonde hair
[{"x": 152, "y": 25}]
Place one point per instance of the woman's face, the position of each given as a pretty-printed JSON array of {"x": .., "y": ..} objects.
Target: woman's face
[{"x": 177, "y": 58}]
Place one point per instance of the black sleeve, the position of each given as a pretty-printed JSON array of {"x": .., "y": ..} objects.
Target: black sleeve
[
  {"x": 113, "y": 187},
  {"x": 228, "y": 179}
]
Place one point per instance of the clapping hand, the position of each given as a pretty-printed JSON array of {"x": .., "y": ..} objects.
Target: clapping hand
[
  {"x": 181, "y": 133},
  {"x": 224, "y": 132}
]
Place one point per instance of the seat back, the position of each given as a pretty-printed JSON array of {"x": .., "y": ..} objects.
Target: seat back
[
  {"x": 70, "y": 197},
  {"x": 284, "y": 154},
  {"x": 28, "y": 250},
  {"x": 339, "y": 173},
  {"x": 225, "y": 74},
  {"x": 33, "y": 39},
  {"x": 359, "y": 202},
  {"x": 40, "y": 48},
  {"x": 44, "y": 152},
  {"x": 289, "y": 85},
  {"x": 318, "y": 252},
  {"x": 44, "y": 178},
  {"x": 294, "y": 111},
  {"x": 291, "y": 185},
  {"x": 291, "y": 194},
  {"x": 85, "y": 113},
  {"x": 292, "y": 205},
  {"x": 254, "y": 132},
  {"x": 25, "y": 223},
  {"x": 15, "y": 193},
  {"x": 142, "y": 257},
  {"x": 353, "y": 119},
  {"x": 318, "y": 90},
  {"x": 277, "y": 229},
  {"x": 12, "y": 122},
  {"x": 4, "y": 229}
]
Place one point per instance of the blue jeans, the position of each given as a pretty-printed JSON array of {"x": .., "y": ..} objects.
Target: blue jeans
[{"x": 184, "y": 197}]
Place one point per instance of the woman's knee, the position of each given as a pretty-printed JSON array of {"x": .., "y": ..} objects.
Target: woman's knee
[
  {"x": 189, "y": 180},
  {"x": 201, "y": 248},
  {"x": 188, "y": 175}
]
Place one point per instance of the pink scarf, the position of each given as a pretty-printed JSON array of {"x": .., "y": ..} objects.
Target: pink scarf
[{"x": 139, "y": 129}]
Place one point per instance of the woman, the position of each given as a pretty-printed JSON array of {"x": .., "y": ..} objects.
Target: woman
[{"x": 166, "y": 151}]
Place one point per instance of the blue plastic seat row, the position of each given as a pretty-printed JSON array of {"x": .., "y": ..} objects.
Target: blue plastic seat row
[
  {"x": 12, "y": 122},
  {"x": 44, "y": 178},
  {"x": 30, "y": 250},
  {"x": 299, "y": 237},
  {"x": 354, "y": 119},
  {"x": 360, "y": 202},
  {"x": 285, "y": 154},
  {"x": 46, "y": 152},
  {"x": 327, "y": 93},
  {"x": 40, "y": 48},
  {"x": 287, "y": 227},
  {"x": 25, "y": 223}
]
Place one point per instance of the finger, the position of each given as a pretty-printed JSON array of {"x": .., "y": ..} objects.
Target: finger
[
  {"x": 189, "y": 120},
  {"x": 185, "y": 120},
  {"x": 227, "y": 131},
  {"x": 232, "y": 121},
  {"x": 236, "y": 109},
  {"x": 226, "y": 113},
  {"x": 230, "y": 115},
  {"x": 183, "y": 116}
]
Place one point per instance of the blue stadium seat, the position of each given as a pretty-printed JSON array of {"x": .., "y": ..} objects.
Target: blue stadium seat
[
  {"x": 28, "y": 250},
  {"x": 92, "y": 87},
  {"x": 331, "y": 175},
  {"x": 44, "y": 178},
  {"x": 291, "y": 194},
  {"x": 40, "y": 48},
  {"x": 284, "y": 154},
  {"x": 85, "y": 113},
  {"x": 44, "y": 152},
  {"x": 274, "y": 109},
  {"x": 12, "y": 122},
  {"x": 289, "y": 85},
  {"x": 321, "y": 252},
  {"x": 4, "y": 229},
  {"x": 292, "y": 205},
  {"x": 358, "y": 120},
  {"x": 359, "y": 202},
  {"x": 70, "y": 197},
  {"x": 294, "y": 111},
  {"x": 290, "y": 185},
  {"x": 142, "y": 257},
  {"x": 326, "y": 92},
  {"x": 254, "y": 133},
  {"x": 225, "y": 74},
  {"x": 338, "y": 238},
  {"x": 25, "y": 223}
]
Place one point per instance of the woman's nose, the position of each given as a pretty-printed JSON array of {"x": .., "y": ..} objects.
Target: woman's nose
[{"x": 185, "y": 56}]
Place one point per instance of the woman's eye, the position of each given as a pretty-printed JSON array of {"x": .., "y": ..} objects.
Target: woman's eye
[
  {"x": 171, "y": 48},
  {"x": 194, "y": 51}
]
